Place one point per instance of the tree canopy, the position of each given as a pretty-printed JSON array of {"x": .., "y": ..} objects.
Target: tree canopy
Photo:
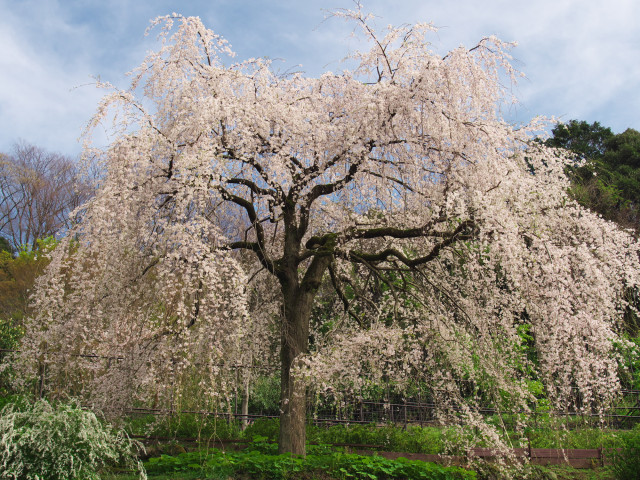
[
  {"x": 586, "y": 141},
  {"x": 396, "y": 185}
]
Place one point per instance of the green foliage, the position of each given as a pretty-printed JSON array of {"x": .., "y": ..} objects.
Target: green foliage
[
  {"x": 254, "y": 462},
  {"x": 587, "y": 141},
  {"x": 630, "y": 361},
  {"x": 18, "y": 273},
  {"x": 265, "y": 395},
  {"x": 5, "y": 246},
  {"x": 623, "y": 149},
  {"x": 190, "y": 425},
  {"x": 63, "y": 442},
  {"x": 626, "y": 462},
  {"x": 412, "y": 439},
  {"x": 548, "y": 432},
  {"x": 631, "y": 318},
  {"x": 11, "y": 331},
  {"x": 583, "y": 438},
  {"x": 566, "y": 472}
]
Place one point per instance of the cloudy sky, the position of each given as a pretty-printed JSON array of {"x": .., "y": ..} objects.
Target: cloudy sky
[{"x": 581, "y": 58}]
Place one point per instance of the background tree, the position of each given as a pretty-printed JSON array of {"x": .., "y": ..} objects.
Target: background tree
[
  {"x": 609, "y": 180},
  {"x": 38, "y": 191},
  {"x": 398, "y": 184},
  {"x": 586, "y": 141},
  {"x": 17, "y": 277}
]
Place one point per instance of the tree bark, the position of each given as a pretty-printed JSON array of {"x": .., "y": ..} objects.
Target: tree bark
[{"x": 294, "y": 343}]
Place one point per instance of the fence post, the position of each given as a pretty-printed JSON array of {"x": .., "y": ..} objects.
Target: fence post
[{"x": 600, "y": 456}]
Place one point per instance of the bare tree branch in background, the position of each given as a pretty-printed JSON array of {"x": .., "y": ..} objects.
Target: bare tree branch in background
[{"x": 38, "y": 191}]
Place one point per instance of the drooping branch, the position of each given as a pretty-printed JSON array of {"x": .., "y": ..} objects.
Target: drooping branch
[
  {"x": 397, "y": 181},
  {"x": 196, "y": 308},
  {"x": 335, "y": 280},
  {"x": 392, "y": 232}
]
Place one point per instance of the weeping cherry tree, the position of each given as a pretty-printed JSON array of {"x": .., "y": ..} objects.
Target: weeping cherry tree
[{"x": 439, "y": 228}]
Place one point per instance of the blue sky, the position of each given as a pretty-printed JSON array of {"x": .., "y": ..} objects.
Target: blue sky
[{"x": 581, "y": 57}]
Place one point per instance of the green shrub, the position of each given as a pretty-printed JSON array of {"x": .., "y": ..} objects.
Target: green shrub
[
  {"x": 63, "y": 442},
  {"x": 626, "y": 461}
]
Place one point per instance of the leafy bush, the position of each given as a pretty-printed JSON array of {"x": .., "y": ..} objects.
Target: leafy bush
[
  {"x": 626, "y": 461},
  {"x": 63, "y": 442},
  {"x": 359, "y": 466}
]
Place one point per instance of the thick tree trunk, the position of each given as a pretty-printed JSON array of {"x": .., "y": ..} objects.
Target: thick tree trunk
[
  {"x": 294, "y": 343},
  {"x": 297, "y": 295}
]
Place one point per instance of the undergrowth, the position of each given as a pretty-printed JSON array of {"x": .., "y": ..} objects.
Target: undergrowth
[{"x": 259, "y": 461}]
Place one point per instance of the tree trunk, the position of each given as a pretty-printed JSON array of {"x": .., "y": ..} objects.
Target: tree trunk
[
  {"x": 294, "y": 343},
  {"x": 297, "y": 301}
]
